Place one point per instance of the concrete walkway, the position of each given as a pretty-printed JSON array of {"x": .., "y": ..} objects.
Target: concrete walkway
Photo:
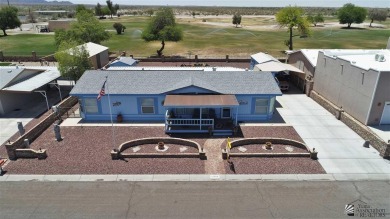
[
  {"x": 340, "y": 150},
  {"x": 214, "y": 162}
]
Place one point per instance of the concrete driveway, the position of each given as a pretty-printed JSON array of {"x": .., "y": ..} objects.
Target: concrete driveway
[{"x": 340, "y": 150}]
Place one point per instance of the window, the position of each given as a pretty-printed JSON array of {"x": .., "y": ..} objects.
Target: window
[
  {"x": 261, "y": 106},
  {"x": 90, "y": 105},
  {"x": 225, "y": 112},
  {"x": 147, "y": 106},
  {"x": 184, "y": 111}
]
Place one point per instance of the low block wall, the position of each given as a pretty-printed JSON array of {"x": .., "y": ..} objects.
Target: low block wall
[
  {"x": 118, "y": 154},
  {"x": 246, "y": 141},
  {"x": 355, "y": 125},
  {"x": 285, "y": 141},
  {"x": 30, "y": 153},
  {"x": 37, "y": 130}
]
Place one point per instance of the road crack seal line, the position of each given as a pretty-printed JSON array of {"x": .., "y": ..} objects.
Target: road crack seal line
[
  {"x": 130, "y": 199},
  {"x": 269, "y": 205},
  {"x": 359, "y": 192}
]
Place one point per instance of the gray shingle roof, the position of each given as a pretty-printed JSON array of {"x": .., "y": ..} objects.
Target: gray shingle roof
[{"x": 159, "y": 82}]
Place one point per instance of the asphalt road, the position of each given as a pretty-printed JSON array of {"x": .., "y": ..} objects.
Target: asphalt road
[{"x": 188, "y": 199}]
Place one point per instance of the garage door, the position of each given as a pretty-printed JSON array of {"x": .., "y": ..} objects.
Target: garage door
[{"x": 386, "y": 114}]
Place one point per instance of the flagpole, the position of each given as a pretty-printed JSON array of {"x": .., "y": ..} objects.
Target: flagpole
[{"x": 109, "y": 107}]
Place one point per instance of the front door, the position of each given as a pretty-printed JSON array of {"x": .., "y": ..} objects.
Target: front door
[{"x": 225, "y": 113}]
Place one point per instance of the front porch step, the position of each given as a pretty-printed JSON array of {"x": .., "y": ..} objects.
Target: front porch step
[{"x": 225, "y": 133}]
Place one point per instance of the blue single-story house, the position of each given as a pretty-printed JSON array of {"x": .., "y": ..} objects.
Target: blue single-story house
[
  {"x": 187, "y": 101},
  {"x": 124, "y": 62}
]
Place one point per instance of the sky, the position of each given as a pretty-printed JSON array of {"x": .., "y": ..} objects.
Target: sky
[{"x": 247, "y": 3}]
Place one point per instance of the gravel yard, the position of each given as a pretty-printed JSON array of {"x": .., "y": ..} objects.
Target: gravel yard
[
  {"x": 86, "y": 150},
  {"x": 275, "y": 165}
]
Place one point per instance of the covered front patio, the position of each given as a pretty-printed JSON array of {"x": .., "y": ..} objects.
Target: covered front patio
[{"x": 200, "y": 113}]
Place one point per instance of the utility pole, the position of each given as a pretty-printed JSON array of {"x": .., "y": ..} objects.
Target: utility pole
[{"x": 8, "y": 2}]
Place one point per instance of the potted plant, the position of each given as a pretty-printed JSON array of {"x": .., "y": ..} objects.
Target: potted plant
[
  {"x": 119, "y": 118},
  {"x": 268, "y": 145}
]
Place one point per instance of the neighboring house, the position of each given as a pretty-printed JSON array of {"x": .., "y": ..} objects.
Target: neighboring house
[
  {"x": 356, "y": 80},
  {"x": 124, "y": 62},
  {"x": 260, "y": 58},
  {"x": 20, "y": 86},
  {"x": 187, "y": 101},
  {"x": 98, "y": 54},
  {"x": 59, "y": 24},
  {"x": 306, "y": 61}
]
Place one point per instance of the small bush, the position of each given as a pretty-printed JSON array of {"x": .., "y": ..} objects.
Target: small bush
[{"x": 119, "y": 28}]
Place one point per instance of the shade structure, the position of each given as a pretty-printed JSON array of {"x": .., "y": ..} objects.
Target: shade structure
[
  {"x": 277, "y": 67},
  {"x": 33, "y": 83},
  {"x": 200, "y": 101}
]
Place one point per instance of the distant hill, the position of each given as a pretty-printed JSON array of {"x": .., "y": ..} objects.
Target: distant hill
[{"x": 35, "y": 2}]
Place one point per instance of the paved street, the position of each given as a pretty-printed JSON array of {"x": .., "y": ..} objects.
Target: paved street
[{"x": 188, "y": 199}]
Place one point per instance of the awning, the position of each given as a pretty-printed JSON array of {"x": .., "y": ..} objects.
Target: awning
[
  {"x": 35, "y": 82},
  {"x": 276, "y": 67},
  {"x": 200, "y": 100}
]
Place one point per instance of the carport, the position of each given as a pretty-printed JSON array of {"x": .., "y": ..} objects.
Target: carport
[
  {"x": 276, "y": 67},
  {"x": 27, "y": 81}
]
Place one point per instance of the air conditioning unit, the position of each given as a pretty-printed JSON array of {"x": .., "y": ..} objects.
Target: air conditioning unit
[{"x": 380, "y": 58}]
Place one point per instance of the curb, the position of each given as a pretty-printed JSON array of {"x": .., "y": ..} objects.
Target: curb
[{"x": 196, "y": 177}]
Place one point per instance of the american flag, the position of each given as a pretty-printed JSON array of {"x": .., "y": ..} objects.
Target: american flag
[{"x": 102, "y": 91}]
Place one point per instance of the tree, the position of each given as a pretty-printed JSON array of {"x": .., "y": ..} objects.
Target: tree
[
  {"x": 162, "y": 27},
  {"x": 31, "y": 16},
  {"x": 193, "y": 14},
  {"x": 72, "y": 60},
  {"x": 87, "y": 28},
  {"x": 80, "y": 8},
  {"x": 116, "y": 8},
  {"x": 9, "y": 18},
  {"x": 350, "y": 13},
  {"x": 110, "y": 7},
  {"x": 292, "y": 17},
  {"x": 119, "y": 28},
  {"x": 377, "y": 15},
  {"x": 150, "y": 12},
  {"x": 318, "y": 18},
  {"x": 106, "y": 11},
  {"x": 98, "y": 10},
  {"x": 237, "y": 19}
]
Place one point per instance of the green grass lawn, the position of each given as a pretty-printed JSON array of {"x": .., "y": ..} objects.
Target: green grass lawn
[
  {"x": 208, "y": 40},
  {"x": 5, "y": 63}
]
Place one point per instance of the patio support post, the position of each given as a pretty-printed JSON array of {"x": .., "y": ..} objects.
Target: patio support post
[
  {"x": 200, "y": 118},
  {"x": 58, "y": 87},
  {"x": 43, "y": 93},
  {"x": 236, "y": 115}
]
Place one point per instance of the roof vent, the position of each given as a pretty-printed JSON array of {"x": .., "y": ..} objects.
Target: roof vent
[
  {"x": 380, "y": 58},
  {"x": 9, "y": 71}
]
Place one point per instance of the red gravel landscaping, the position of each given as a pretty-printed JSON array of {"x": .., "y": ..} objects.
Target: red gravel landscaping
[
  {"x": 86, "y": 150},
  {"x": 274, "y": 165}
]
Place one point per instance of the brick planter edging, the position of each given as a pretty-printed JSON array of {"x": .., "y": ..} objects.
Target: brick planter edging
[
  {"x": 355, "y": 125},
  {"x": 117, "y": 154},
  {"x": 38, "y": 129},
  {"x": 285, "y": 141},
  {"x": 31, "y": 153}
]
